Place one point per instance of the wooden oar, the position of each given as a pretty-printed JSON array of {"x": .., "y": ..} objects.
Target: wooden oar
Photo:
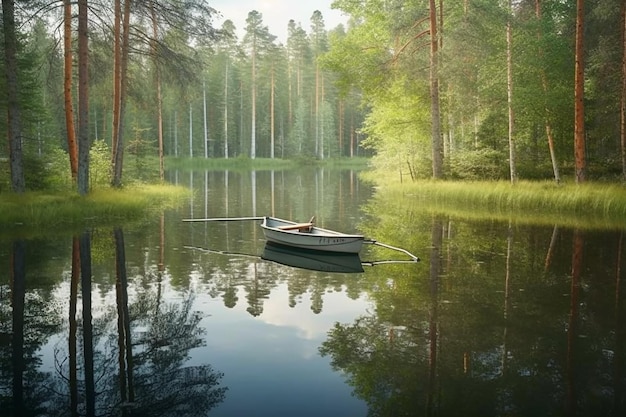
[{"x": 224, "y": 219}]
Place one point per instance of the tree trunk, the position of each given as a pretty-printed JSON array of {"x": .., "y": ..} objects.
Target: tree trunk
[
  {"x": 509, "y": 88},
  {"x": 623, "y": 102},
  {"x": 72, "y": 148},
  {"x": 317, "y": 111},
  {"x": 204, "y": 121},
  {"x": 117, "y": 75},
  {"x": 579, "y": 92},
  {"x": 272, "y": 132},
  {"x": 226, "y": 112},
  {"x": 118, "y": 155},
  {"x": 84, "y": 144},
  {"x": 159, "y": 95},
  {"x": 437, "y": 147},
  {"x": 18, "y": 184},
  {"x": 253, "y": 124}
]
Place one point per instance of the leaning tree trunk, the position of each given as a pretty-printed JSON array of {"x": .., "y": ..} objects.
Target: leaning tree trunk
[{"x": 18, "y": 184}]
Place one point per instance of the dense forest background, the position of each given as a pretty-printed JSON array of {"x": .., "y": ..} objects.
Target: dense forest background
[{"x": 504, "y": 78}]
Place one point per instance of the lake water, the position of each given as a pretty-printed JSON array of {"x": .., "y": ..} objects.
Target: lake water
[{"x": 191, "y": 318}]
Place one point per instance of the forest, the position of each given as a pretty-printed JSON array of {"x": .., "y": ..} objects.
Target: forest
[{"x": 472, "y": 89}]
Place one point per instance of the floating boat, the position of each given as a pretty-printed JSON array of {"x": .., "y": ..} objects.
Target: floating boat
[
  {"x": 309, "y": 236},
  {"x": 313, "y": 260}
]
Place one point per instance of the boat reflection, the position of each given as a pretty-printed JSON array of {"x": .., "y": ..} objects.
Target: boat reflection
[{"x": 312, "y": 259}]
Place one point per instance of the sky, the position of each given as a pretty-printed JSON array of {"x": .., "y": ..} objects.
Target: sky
[{"x": 277, "y": 13}]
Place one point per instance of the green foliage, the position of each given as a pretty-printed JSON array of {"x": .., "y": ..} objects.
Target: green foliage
[
  {"x": 99, "y": 164},
  {"x": 479, "y": 164}
]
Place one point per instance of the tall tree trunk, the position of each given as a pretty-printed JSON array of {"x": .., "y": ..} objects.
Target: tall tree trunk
[
  {"x": 623, "y": 101},
  {"x": 272, "y": 130},
  {"x": 253, "y": 125},
  {"x": 317, "y": 111},
  {"x": 204, "y": 121},
  {"x": 159, "y": 94},
  {"x": 544, "y": 85},
  {"x": 84, "y": 144},
  {"x": 117, "y": 87},
  {"x": 18, "y": 184},
  {"x": 226, "y": 111},
  {"x": 580, "y": 158},
  {"x": 509, "y": 89},
  {"x": 190, "y": 131},
  {"x": 118, "y": 155},
  {"x": 437, "y": 146},
  {"x": 72, "y": 148},
  {"x": 340, "y": 116}
]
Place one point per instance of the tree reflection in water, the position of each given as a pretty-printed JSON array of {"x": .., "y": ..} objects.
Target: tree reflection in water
[
  {"x": 138, "y": 353},
  {"x": 518, "y": 338}
]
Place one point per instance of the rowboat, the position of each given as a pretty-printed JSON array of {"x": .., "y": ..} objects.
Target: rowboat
[
  {"x": 313, "y": 260},
  {"x": 309, "y": 236}
]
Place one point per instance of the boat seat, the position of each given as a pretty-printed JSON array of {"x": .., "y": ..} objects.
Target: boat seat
[{"x": 301, "y": 227}]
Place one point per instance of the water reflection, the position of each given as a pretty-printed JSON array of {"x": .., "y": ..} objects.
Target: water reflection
[
  {"x": 499, "y": 318},
  {"x": 493, "y": 327},
  {"x": 133, "y": 352}
]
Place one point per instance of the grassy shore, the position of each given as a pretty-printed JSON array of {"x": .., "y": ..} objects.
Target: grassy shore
[
  {"x": 589, "y": 205},
  {"x": 33, "y": 212}
]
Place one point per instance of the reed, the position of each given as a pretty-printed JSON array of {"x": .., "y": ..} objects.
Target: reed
[
  {"x": 38, "y": 212},
  {"x": 589, "y": 205}
]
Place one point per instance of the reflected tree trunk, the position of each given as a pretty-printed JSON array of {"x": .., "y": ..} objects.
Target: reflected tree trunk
[
  {"x": 72, "y": 342},
  {"x": 18, "y": 294},
  {"x": 620, "y": 332},
  {"x": 88, "y": 350},
  {"x": 507, "y": 292},
  {"x": 550, "y": 254},
  {"x": 572, "y": 329},
  {"x": 125, "y": 343},
  {"x": 433, "y": 328}
]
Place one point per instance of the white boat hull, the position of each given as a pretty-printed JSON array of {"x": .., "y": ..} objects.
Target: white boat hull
[{"x": 314, "y": 238}]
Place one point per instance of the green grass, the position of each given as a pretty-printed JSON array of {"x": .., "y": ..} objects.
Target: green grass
[
  {"x": 33, "y": 213},
  {"x": 589, "y": 205}
]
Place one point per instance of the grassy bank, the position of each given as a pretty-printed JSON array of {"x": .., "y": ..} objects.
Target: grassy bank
[
  {"x": 590, "y": 205},
  {"x": 34, "y": 212}
]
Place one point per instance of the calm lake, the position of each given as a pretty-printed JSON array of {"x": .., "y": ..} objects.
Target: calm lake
[{"x": 174, "y": 318}]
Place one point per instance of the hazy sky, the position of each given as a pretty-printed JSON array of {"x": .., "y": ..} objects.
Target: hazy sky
[{"x": 277, "y": 13}]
